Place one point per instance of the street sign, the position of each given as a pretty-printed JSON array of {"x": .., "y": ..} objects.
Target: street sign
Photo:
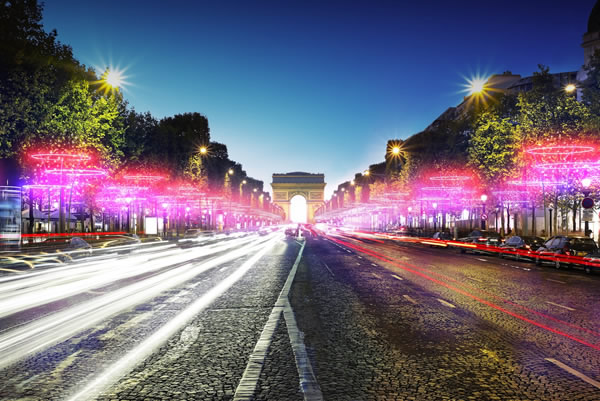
[
  {"x": 484, "y": 217},
  {"x": 588, "y": 215},
  {"x": 587, "y": 203}
]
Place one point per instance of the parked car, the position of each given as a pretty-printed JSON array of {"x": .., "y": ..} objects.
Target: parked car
[
  {"x": 564, "y": 245},
  {"x": 519, "y": 247},
  {"x": 592, "y": 262},
  {"x": 442, "y": 235},
  {"x": 485, "y": 241}
]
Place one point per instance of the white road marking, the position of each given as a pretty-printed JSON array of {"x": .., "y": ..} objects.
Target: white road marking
[
  {"x": 348, "y": 251},
  {"x": 560, "y": 306},
  {"x": 376, "y": 275},
  {"x": 409, "y": 299},
  {"x": 483, "y": 260},
  {"x": 556, "y": 281},
  {"x": 358, "y": 264},
  {"x": 521, "y": 267},
  {"x": 475, "y": 279},
  {"x": 574, "y": 372},
  {"x": 328, "y": 269},
  {"x": 373, "y": 264},
  {"x": 397, "y": 277},
  {"x": 448, "y": 304},
  {"x": 308, "y": 383}
]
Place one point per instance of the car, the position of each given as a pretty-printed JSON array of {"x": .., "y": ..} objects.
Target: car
[
  {"x": 196, "y": 233},
  {"x": 484, "y": 241},
  {"x": 566, "y": 245},
  {"x": 290, "y": 232},
  {"x": 591, "y": 262},
  {"x": 520, "y": 246},
  {"x": 442, "y": 235},
  {"x": 78, "y": 248}
]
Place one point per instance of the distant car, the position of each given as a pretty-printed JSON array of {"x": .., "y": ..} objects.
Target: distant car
[
  {"x": 519, "y": 247},
  {"x": 290, "y": 232},
  {"x": 564, "y": 245},
  {"x": 78, "y": 248},
  {"x": 196, "y": 233}
]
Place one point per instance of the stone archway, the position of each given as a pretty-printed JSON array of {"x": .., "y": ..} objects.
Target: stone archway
[{"x": 309, "y": 186}]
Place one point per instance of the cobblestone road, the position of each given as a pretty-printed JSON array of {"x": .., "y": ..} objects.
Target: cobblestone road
[
  {"x": 380, "y": 321},
  {"x": 426, "y": 328},
  {"x": 203, "y": 359}
]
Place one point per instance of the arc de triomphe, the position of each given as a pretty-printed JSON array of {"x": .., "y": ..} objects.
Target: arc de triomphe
[{"x": 310, "y": 186}]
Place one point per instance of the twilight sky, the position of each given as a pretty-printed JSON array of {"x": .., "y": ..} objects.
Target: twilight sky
[{"x": 316, "y": 86}]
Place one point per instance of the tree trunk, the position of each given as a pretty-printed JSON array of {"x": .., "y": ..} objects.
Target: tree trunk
[
  {"x": 575, "y": 214},
  {"x": 533, "y": 228},
  {"x": 31, "y": 215},
  {"x": 92, "y": 225}
]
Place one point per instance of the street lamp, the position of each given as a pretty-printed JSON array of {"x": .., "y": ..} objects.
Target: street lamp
[
  {"x": 483, "y": 216},
  {"x": 203, "y": 150},
  {"x": 434, "y": 216},
  {"x": 570, "y": 88}
]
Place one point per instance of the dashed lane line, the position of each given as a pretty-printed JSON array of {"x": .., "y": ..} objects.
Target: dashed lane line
[
  {"x": 561, "y": 306},
  {"x": 409, "y": 299},
  {"x": 360, "y": 257},
  {"x": 556, "y": 281},
  {"x": 373, "y": 264},
  {"x": 481, "y": 259},
  {"x": 397, "y": 277},
  {"x": 475, "y": 279},
  {"x": 376, "y": 275},
  {"x": 446, "y": 303},
  {"x": 308, "y": 383},
  {"x": 328, "y": 269},
  {"x": 574, "y": 372}
]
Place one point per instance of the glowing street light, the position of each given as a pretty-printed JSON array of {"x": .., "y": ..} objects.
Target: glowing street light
[
  {"x": 230, "y": 171},
  {"x": 484, "y": 197},
  {"x": 586, "y": 182},
  {"x": 396, "y": 150},
  {"x": 570, "y": 88},
  {"x": 367, "y": 172},
  {"x": 203, "y": 150}
]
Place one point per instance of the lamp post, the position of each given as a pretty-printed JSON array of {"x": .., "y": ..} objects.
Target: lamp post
[
  {"x": 483, "y": 216},
  {"x": 434, "y": 217}
]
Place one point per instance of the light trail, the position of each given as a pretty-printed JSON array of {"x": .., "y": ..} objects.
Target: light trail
[
  {"x": 39, "y": 334},
  {"x": 152, "y": 343},
  {"x": 27, "y": 293},
  {"x": 414, "y": 270}
]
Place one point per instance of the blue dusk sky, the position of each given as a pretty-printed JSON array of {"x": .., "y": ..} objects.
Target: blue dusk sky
[{"x": 316, "y": 86}]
